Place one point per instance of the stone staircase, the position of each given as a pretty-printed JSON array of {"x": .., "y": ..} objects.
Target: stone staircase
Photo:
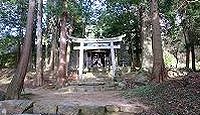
[
  {"x": 54, "y": 107},
  {"x": 92, "y": 82},
  {"x": 89, "y": 86}
]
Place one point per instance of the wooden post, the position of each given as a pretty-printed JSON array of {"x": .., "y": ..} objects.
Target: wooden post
[
  {"x": 113, "y": 59},
  {"x": 81, "y": 60}
]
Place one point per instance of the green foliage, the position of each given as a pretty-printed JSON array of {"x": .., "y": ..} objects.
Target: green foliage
[
  {"x": 193, "y": 21},
  {"x": 8, "y": 60},
  {"x": 119, "y": 19},
  {"x": 8, "y": 44},
  {"x": 8, "y": 48},
  {"x": 179, "y": 14},
  {"x": 75, "y": 10},
  {"x": 140, "y": 91},
  {"x": 125, "y": 1},
  {"x": 122, "y": 17},
  {"x": 54, "y": 8},
  {"x": 169, "y": 59},
  {"x": 12, "y": 17}
]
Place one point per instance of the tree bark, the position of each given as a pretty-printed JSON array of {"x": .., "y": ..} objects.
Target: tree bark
[
  {"x": 18, "y": 53},
  {"x": 132, "y": 56},
  {"x": 159, "y": 72},
  {"x": 16, "y": 85},
  {"x": 68, "y": 57},
  {"x": 193, "y": 57},
  {"x": 39, "y": 66},
  {"x": 61, "y": 74},
  {"x": 187, "y": 57},
  {"x": 52, "y": 54},
  {"x": 52, "y": 63},
  {"x": 146, "y": 42},
  {"x": 187, "y": 45}
]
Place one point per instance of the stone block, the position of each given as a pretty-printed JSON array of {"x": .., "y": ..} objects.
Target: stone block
[
  {"x": 68, "y": 109},
  {"x": 16, "y": 106},
  {"x": 45, "y": 108},
  {"x": 92, "y": 110},
  {"x": 119, "y": 113},
  {"x": 131, "y": 109},
  {"x": 112, "y": 108}
]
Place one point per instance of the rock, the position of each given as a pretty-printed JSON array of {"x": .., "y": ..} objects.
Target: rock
[
  {"x": 92, "y": 110},
  {"x": 132, "y": 80},
  {"x": 68, "y": 109},
  {"x": 17, "y": 106},
  {"x": 142, "y": 76},
  {"x": 27, "y": 114},
  {"x": 112, "y": 108},
  {"x": 119, "y": 113},
  {"x": 131, "y": 109},
  {"x": 2, "y": 95},
  {"x": 45, "y": 107}
]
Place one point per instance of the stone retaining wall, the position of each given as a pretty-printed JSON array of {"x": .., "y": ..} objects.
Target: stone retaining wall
[{"x": 26, "y": 107}]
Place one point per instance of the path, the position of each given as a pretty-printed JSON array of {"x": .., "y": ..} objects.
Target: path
[
  {"x": 91, "y": 99},
  {"x": 48, "y": 100}
]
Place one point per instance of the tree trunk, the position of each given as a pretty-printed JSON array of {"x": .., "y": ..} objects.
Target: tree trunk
[
  {"x": 39, "y": 66},
  {"x": 187, "y": 45},
  {"x": 61, "y": 74},
  {"x": 56, "y": 56},
  {"x": 187, "y": 57},
  {"x": 68, "y": 57},
  {"x": 52, "y": 63},
  {"x": 46, "y": 60},
  {"x": 193, "y": 57},
  {"x": 16, "y": 85},
  {"x": 52, "y": 52},
  {"x": 191, "y": 45},
  {"x": 131, "y": 54},
  {"x": 30, "y": 59},
  {"x": 70, "y": 30},
  {"x": 158, "y": 73},
  {"x": 18, "y": 53},
  {"x": 146, "y": 42}
]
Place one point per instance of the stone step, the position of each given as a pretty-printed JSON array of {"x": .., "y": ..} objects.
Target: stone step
[
  {"x": 86, "y": 83},
  {"x": 87, "y": 88},
  {"x": 27, "y": 114},
  {"x": 96, "y": 75},
  {"x": 75, "y": 109},
  {"x": 101, "y": 79},
  {"x": 68, "y": 107}
]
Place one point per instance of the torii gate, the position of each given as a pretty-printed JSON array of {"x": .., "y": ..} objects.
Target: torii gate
[{"x": 100, "y": 43}]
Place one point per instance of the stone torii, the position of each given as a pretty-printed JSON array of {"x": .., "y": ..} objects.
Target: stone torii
[{"x": 98, "y": 43}]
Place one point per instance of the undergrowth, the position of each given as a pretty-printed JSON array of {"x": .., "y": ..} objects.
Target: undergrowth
[{"x": 176, "y": 97}]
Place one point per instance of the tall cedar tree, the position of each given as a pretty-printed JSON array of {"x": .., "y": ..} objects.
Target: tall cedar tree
[
  {"x": 159, "y": 71},
  {"x": 147, "y": 54},
  {"x": 16, "y": 85},
  {"x": 39, "y": 65},
  {"x": 61, "y": 74}
]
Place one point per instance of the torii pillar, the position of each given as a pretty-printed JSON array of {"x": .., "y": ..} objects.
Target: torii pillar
[
  {"x": 113, "y": 59},
  {"x": 81, "y": 51}
]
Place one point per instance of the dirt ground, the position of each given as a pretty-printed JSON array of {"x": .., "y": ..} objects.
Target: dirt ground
[
  {"x": 101, "y": 98},
  {"x": 47, "y": 94}
]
